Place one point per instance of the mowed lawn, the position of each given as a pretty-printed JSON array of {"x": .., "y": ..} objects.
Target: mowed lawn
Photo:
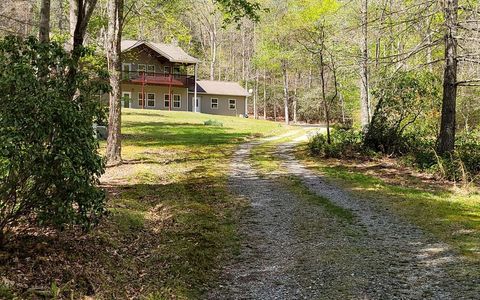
[
  {"x": 170, "y": 221},
  {"x": 171, "y": 197}
]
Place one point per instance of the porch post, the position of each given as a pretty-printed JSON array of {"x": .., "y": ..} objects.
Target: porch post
[
  {"x": 195, "y": 88},
  {"x": 170, "y": 93},
  {"x": 143, "y": 91}
]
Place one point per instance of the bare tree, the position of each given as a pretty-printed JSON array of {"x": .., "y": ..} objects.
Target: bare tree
[
  {"x": 80, "y": 13},
  {"x": 114, "y": 38},
  {"x": 446, "y": 139},
  {"x": 285, "y": 90},
  {"x": 44, "y": 26},
  {"x": 364, "y": 97},
  {"x": 264, "y": 94}
]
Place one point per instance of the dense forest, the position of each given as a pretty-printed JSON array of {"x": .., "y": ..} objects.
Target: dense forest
[
  {"x": 294, "y": 47},
  {"x": 406, "y": 67}
]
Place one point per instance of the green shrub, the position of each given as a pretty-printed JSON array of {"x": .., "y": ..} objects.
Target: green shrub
[
  {"x": 49, "y": 163},
  {"x": 462, "y": 164},
  {"x": 406, "y": 110},
  {"x": 344, "y": 143},
  {"x": 213, "y": 123},
  {"x": 468, "y": 149}
]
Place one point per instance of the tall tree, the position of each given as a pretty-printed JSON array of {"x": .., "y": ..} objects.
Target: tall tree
[
  {"x": 44, "y": 26},
  {"x": 80, "y": 14},
  {"x": 446, "y": 139},
  {"x": 285, "y": 90},
  {"x": 364, "y": 96},
  {"x": 114, "y": 39}
]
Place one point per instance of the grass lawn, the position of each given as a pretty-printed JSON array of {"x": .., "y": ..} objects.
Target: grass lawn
[{"x": 170, "y": 222}]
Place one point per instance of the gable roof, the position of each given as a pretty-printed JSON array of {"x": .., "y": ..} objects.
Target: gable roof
[
  {"x": 171, "y": 52},
  {"x": 221, "y": 88}
]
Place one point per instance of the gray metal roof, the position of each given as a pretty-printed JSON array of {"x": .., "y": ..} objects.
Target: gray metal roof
[
  {"x": 171, "y": 52},
  {"x": 220, "y": 88}
]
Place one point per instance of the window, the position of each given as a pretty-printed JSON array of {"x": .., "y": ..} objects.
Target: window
[
  {"x": 166, "y": 100},
  {"x": 177, "y": 101},
  {"x": 141, "y": 69},
  {"x": 232, "y": 104},
  {"x": 150, "y": 100},
  {"x": 140, "y": 99},
  {"x": 214, "y": 103},
  {"x": 151, "y": 70},
  {"x": 126, "y": 71},
  {"x": 166, "y": 70},
  {"x": 176, "y": 70}
]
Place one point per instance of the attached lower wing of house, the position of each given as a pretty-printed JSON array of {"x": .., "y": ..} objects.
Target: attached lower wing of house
[{"x": 164, "y": 77}]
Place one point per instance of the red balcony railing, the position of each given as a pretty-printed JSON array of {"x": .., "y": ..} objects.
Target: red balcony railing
[{"x": 158, "y": 78}]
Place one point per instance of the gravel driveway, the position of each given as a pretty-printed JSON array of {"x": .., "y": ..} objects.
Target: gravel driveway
[{"x": 295, "y": 249}]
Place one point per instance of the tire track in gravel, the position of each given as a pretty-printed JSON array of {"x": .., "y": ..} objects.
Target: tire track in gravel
[{"x": 295, "y": 249}]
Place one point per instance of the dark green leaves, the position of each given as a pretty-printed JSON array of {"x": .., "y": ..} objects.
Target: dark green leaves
[{"x": 49, "y": 164}]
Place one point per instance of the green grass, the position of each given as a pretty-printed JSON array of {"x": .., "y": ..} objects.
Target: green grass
[
  {"x": 171, "y": 220},
  {"x": 266, "y": 160},
  {"x": 295, "y": 184},
  {"x": 451, "y": 215},
  {"x": 263, "y": 155},
  {"x": 173, "y": 198}
]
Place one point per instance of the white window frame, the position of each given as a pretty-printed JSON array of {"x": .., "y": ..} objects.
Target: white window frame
[
  {"x": 179, "y": 101},
  {"x": 140, "y": 71},
  {"x": 154, "y": 100},
  {"x": 151, "y": 73},
  {"x": 165, "y": 100},
  {"x": 234, "y": 104},
  {"x": 211, "y": 103},
  {"x": 140, "y": 99}
]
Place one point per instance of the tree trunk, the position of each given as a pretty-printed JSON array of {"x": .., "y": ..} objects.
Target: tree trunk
[
  {"x": 114, "y": 38},
  {"x": 255, "y": 97},
  {"x": 294, "y": 104},
  {"x": 44, "y": 26},
  {"x": 285, "y": 91},
  {"x": 274, "y": 101},
  {"x": 213, "y": 50},
  {"x": 364, "y": 97},
  {"x": 264, "y": 94},
  {"x": 446, "y": 139},
  {"x": 244, "y": 73},
  {"x": 324, "y": 96},
  {"x": 80, "y": 13}
]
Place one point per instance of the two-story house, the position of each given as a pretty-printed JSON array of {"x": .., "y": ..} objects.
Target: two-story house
[{"x": 163, "y": 76}]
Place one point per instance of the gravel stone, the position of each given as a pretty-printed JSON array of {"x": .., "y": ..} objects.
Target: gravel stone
[{"x": 295, "y": 249}]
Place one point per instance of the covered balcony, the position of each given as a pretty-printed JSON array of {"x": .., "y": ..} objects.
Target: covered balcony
[{"x": 152, "y": 78}]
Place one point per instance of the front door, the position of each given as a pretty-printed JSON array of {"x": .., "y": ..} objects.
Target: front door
[
  {"x": 126, "y": 99},
  {"x": 197, "y": 104}
]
